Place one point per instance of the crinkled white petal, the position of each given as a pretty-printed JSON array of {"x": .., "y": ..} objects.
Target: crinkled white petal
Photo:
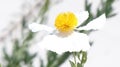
[
  {"x": 82, "y": 16},
  {"x": 74, "y": 42},
  {"x": 96, "y": 24},
  {"x": 35, "y": 27}
]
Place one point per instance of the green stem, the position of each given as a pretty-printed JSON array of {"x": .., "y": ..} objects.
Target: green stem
[{"x": 74, "y": 56}]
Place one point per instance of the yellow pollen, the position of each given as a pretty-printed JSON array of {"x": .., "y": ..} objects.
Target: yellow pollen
[{"x": 66, "y": 22}]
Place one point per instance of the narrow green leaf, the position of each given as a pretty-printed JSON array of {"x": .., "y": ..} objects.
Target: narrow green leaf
[
  {"x": 42, "y": 63},
  {"x": 111, "y": 15},
  {"x": 79, "y": 65},
  {"x": 72, "y": 64},
  {"x": 84, "y": 57},
  {"x": 60, "y": 59},
  {"x": 6, "y": 56},
  {"x": 51, "y": 57},
  {"x": 24, "y": 22}
]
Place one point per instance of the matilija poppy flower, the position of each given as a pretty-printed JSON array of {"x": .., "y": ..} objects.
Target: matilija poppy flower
[{"x": 65, "y": 38}]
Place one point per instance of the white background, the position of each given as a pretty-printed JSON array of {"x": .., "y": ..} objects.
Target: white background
[{"x": 106, "y": 49}]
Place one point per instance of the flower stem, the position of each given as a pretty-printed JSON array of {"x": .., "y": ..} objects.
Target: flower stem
[{"x": 74, "y": 56}]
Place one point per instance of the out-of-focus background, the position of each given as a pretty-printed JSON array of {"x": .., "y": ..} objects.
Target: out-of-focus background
[{"x": 106, "y": 47}]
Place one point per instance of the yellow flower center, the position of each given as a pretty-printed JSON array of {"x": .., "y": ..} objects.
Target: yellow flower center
[{"x": 66, "y": 22}]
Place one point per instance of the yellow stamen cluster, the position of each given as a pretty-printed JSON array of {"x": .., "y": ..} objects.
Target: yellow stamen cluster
[{"x": 66, "y": 22}]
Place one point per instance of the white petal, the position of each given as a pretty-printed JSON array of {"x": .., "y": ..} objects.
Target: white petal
[
  {"x": 82, "y": 16},
  {"x": 79, "y": 41},
  {"x": 96, "y": 24},
  {"x": 51, "y": 42},
  {"x": 35, "y": 27},
  {"x": 74, "y": 42}
]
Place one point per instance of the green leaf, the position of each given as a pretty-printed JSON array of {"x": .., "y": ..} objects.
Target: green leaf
[
  {"x": 28, "y": 38},
  {"x": 24, "y": 22},
  {"x": 111, "y": 15},
  {"x": 60, "y": 59},
  {"x": 78, "y": 55},
  {"x": 72, "y": 64},
  {"x": 84, "y": 57},
  {"x": 6, "y": 56},
  {"x": 28, "y": 57},
  {"x": 79, "y": 65},
  {"x": 16, "y": 46},
  {"x": 51, "y": 57},
  {"x": 45, "y": 7},
  {"x": 42, "y": 63}
]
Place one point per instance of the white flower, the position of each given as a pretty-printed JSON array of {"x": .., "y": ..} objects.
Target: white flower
[{"x": 66, "y": 39}]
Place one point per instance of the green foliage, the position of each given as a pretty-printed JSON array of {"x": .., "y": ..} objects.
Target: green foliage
[
  {"x": 84, "y": 57},
  {"x": 51, "y": 57},
  {"x": 79, "y": 65},
  {"x": 72, "y": 64},
  {"x": 42, "y": 63},
  {"x": 55, "y": 60},
  {"x": 105, "y": 7},
  {"x": 61, "y": 59},
  {"x": 20, "y": 53},
  {"x": 43, "y": 11},
  {"x": 45, "y": 7},
  {"x": 81, "y": 56}
]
